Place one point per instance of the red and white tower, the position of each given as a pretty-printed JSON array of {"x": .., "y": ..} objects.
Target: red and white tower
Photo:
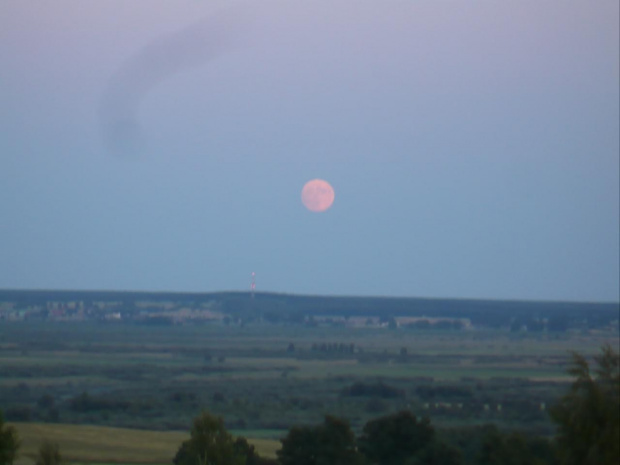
[{"x": 253, "y": 285}]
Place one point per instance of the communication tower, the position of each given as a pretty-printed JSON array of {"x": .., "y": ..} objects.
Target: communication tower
[{"x": 253, "y": 285}]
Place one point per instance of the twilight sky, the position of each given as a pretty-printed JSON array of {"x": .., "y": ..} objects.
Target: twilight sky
[{"x": 154, "y": 145}]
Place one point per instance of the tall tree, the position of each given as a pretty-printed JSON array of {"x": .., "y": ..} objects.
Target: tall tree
[
  {"x": 437, "y": 453},
  {"x": 588, "y": 417},
  {"x": 247, "y": 450},
  {"x": 513, "y": 448},
  {"x": 210, "y": 444},
  {"x": 393, "y": 439},
  {"x": 9, "y": 442},
  {"x": 330, "y": 443}
]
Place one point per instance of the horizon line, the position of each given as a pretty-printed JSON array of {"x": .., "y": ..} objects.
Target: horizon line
[{"x": 376, "y": 296}]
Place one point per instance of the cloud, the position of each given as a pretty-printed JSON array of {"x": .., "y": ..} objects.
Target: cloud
[{"x": 193, "y": 46}]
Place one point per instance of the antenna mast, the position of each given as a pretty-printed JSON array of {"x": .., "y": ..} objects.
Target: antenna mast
[{"x": 253, "y": 285}]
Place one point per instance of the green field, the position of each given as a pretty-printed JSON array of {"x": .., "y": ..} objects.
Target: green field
[
  {"x": 97, "y": 444},
  {"x": 111, "y": 392}
]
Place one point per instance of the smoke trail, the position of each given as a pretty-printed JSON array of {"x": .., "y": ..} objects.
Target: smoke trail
[
  {"x": 192, "y": 46},
  {"x": 295, "y": 26}
]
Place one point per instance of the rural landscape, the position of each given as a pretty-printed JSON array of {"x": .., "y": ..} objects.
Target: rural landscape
[
  {"x": 119, "y": 377},
  {"x": 309, "y": 232}
]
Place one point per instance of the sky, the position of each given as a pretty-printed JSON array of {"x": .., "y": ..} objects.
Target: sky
[{"x": 473, "y": 147}]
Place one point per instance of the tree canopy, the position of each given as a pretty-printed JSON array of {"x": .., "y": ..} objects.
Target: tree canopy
[
  {"x": 393, "y": 439},
  {"x": 330, "y": 443},
  {"x": 588, "y": 417},
  {"x": 210, "y": 444},
  {"x": 513, "y": 448}
]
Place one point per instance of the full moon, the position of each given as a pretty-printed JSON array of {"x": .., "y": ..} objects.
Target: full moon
[{"x": 317, "y": 195}]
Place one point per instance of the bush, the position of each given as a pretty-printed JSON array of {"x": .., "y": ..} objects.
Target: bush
[
  {"x": 19, "y": 413},
  {"x": 45, "y": 402},
  {"x": 9, "y": 443},
  {"x": 86, "y": 403},
  {"x": 49, "y": 454}
]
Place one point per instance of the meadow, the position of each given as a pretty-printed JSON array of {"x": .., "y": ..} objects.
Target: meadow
[
  {"x": 84, "y": 444},
  {"x": 126, "y": 391}
]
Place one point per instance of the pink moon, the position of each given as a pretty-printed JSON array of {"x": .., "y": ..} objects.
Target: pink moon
[{"x": 317, "y": 195}]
